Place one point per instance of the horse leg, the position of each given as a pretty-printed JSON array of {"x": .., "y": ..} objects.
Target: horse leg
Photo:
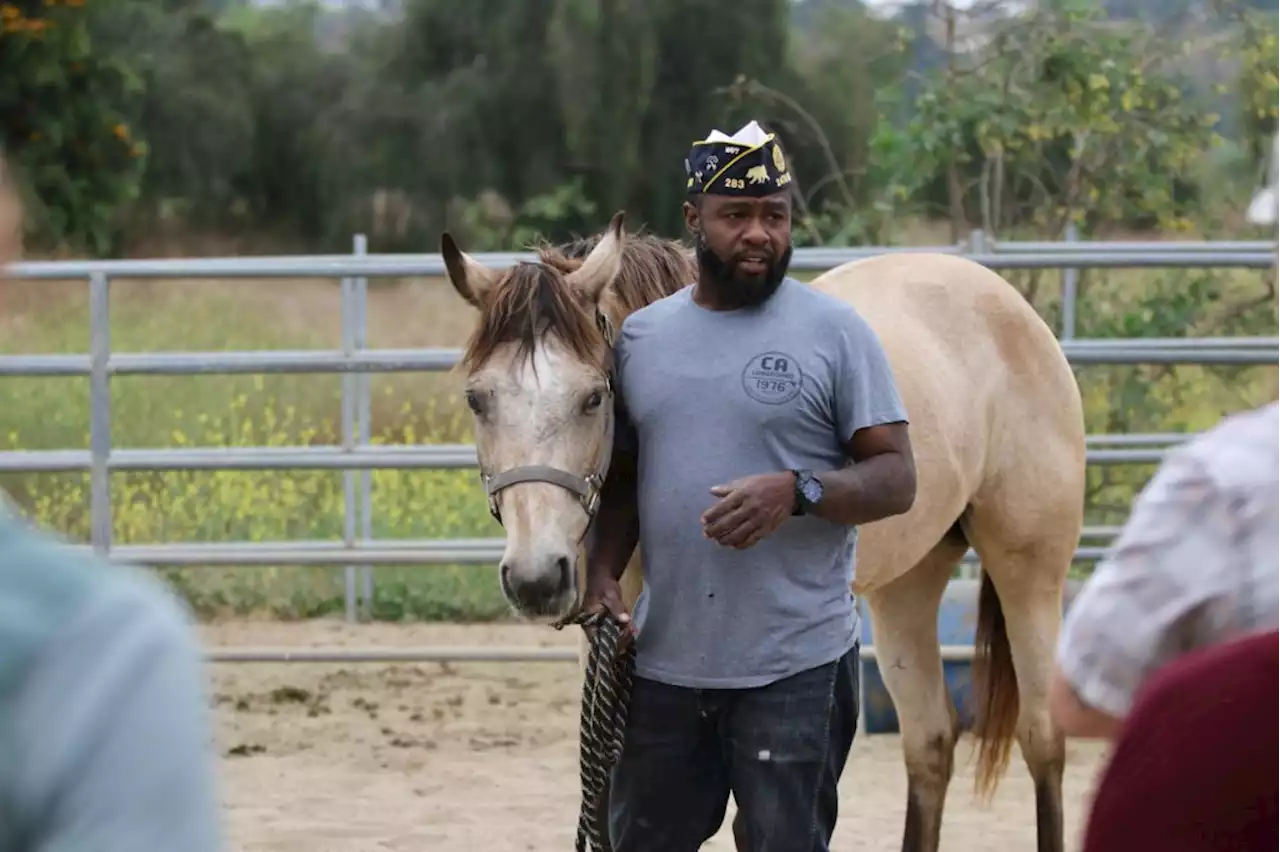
[
  {"x": 904, "y": 626},
  {"x": 1029, "y": 581}
]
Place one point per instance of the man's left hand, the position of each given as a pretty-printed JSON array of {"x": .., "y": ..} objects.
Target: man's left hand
[{"x": 749, "y": 509}]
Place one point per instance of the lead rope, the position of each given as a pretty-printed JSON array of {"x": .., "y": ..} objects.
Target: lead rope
[{"x": 606, "y": 696}]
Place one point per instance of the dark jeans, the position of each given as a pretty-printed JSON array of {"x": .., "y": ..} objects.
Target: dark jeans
[{"x": 780, "y": 749}]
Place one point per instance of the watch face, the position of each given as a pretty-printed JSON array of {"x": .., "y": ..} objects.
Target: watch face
[{"x": 812, "y": 490}]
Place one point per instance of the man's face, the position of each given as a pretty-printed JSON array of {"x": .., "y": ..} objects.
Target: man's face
[{"x": 743, "y": 245}]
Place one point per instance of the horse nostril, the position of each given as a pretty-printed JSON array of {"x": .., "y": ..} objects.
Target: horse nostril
[{"x": 539, "y": 593}]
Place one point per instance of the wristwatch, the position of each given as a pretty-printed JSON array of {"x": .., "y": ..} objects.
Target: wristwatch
[{"x": 808, "y": 491}]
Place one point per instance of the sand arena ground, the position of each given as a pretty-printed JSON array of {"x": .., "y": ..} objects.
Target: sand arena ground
[{"x": 460, "y": 757}]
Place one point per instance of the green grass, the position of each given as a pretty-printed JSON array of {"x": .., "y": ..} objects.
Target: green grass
[
  {"x": 191, "y": 506},
  {"x": 158, "y": 412}
]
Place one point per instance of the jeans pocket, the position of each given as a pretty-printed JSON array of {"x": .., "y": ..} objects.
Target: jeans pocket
[{"x": 788, "y": 721}]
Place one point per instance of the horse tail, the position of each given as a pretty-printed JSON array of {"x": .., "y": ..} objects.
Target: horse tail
[{"x": 995, "y": 690}]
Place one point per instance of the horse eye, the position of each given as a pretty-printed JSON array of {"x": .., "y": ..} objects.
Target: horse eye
[
  {"x": 473, "y": 402},
  {"x": 593, "y": 401}
]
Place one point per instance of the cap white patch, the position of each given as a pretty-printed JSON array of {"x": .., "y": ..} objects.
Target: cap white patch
[{"x": 751, "y": 135}]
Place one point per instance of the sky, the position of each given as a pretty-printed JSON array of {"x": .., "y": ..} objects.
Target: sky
[{"x": 888, "y": 6}]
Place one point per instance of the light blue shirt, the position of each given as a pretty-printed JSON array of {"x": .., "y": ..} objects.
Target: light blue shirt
[
  {"x": 105, "y": 730},
  {"x": 712, "y": 396}
]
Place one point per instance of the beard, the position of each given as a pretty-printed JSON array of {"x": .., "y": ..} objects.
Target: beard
[{"x": 734, "y": 288}]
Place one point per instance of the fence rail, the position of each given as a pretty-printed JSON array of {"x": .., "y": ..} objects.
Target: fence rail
[
  {"x": 458, "y": 654},
  {"x": 432, "y": 265},
  {"x": 333, "y": 457},
  {"x": 357, "y": 550},
  {"x": 320, "y": 553},
  {"x": 1154, "y": 350}
]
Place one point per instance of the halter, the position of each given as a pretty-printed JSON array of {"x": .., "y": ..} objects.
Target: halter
[{"x": 585, "y": 487}]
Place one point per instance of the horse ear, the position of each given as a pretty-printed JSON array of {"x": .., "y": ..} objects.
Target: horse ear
[
  {"x": 603, "y": 264},
  {"x": 469, "y": 278}
]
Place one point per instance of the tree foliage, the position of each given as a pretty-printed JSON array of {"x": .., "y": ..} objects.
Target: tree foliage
[
  {"x": 64, "y": 104},
  {"x": 1063, "y": 116},
  {"x": 501, "y": 120},
  {"x": 1259, "y": 85}
]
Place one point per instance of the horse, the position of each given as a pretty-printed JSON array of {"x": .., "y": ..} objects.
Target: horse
[{"x": 997, "y": 429}]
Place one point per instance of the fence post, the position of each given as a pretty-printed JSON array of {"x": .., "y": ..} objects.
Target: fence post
[
  {"x": 1070, "y": 283},
  {"x": 364, "y": 429},
  {"x": 99, "y": 413},
  {"x": 977, "y": 241},
  {"x": 347, "y": 313}
]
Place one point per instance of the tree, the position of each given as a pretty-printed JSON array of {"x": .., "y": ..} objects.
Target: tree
[
  {"x": 63, "y": 115},
  {"x": 194, "y": 107},
  {"x": 1259, "y": 88},
  {"x": 844, "y": 69},
  {"x": 1062, "y": 116}
]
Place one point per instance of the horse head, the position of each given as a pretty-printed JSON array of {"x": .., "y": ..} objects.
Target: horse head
[
  {"x": 539, "y": 370},
  {"x": 540, "y": 389}
]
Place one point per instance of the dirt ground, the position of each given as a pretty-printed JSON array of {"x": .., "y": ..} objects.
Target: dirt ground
[{"x": 463, "y": 757}]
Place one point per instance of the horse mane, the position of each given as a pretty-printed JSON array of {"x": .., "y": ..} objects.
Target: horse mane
[
  {"x": 652, "y": 268},
  {"x": 532, "y": 300}
]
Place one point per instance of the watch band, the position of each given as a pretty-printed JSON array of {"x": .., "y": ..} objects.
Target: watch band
[{"x": 802, "y": 502}]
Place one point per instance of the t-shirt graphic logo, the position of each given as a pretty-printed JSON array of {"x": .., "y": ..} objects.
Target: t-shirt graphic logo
[{"x": 772, "y": 378}]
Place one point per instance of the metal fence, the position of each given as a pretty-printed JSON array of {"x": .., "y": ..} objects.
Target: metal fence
[{"x": 358, "y": 551}]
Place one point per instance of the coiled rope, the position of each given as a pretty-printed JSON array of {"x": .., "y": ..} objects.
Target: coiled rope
[{"x": 606, "y": 697}]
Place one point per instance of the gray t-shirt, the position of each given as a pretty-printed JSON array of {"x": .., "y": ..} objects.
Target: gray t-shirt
[
  {"x": 711, "y": 396},
  {"x": 105, "y": 730}
]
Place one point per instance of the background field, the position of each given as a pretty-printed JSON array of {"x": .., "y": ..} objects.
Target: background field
[
  {"x": 214, "y": 128},
  {"x": 52, "y": 317}
]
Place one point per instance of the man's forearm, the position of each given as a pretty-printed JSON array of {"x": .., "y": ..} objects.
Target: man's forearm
[
  {"x": 617, "y": 524},
  {"x": 875, "y": 488}
]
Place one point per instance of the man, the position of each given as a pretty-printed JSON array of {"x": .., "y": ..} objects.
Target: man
[
  {"x": 1193, "y": 768},
  {"x": 759, "y": 424},
  {"x": 104, "y": 727},
  {"x": 1197, "y": 564}
]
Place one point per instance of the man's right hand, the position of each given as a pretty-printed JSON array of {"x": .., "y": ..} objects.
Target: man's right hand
[{"x": 604, "y": 594}]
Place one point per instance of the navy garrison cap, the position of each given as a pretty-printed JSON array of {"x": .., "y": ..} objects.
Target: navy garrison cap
[{"x": 749, "y": 163}]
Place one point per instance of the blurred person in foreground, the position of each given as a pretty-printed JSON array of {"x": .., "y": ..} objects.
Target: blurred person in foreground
[
  {"x": 1197, "y": 564},
  {"x": 1194, "y": 763},
  {"x": 105, "y": 734}
]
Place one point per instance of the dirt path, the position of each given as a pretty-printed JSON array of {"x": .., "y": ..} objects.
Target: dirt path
[{"x": 482, "y": 757}]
